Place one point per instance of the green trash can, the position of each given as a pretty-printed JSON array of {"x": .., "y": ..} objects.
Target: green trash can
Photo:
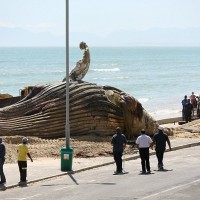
[{"x": 66, "y": 159}]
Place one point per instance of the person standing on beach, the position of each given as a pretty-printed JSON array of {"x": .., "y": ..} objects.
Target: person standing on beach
[
  {"x": 193, "y": 99},
  {"x": 198, "y": 109},
  {"x": 143, "y": 143},
  {"x": 188, "y": 109},
  {"x": 119, "y": 143},
  {"x": 159, "y": 140},
  {"x": 184, "y": 101},
  {"x": 2, "y": 160},
  {"x": 22, "y": 159}
]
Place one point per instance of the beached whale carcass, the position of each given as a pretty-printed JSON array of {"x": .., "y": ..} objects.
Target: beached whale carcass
[{"x": 94, "y": 109}]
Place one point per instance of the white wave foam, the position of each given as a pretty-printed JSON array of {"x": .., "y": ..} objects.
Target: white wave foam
[
  {"x": 143, "y": 100},
  {"x": 106, "y": 70},
  {"x": 122, "y": 77},
  {"x": 165, "y": 112},
  {"x": 111, "y": 78},
  {"x": 105, "y": 64}
]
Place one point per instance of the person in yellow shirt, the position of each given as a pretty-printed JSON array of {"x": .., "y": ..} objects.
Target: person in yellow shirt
[{"x": 22, "y": 159}]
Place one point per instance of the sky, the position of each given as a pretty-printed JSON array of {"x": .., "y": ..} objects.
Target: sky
[{"x": 101, "y": 22}]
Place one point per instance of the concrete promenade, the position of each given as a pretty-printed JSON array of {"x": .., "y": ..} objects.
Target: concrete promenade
[{"x": 46, "y": 168}]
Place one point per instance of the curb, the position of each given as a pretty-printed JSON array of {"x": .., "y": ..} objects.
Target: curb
[{"x": 101, "y": 165}]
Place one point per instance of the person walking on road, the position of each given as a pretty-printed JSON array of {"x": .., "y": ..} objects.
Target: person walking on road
[
  {"x": 119, "y": 143},
  {"x": 2, "y": 160},
  {"x": 22, "y": 159},
  {"x": 159, "y": 140},
  {"x": 143, "y": 143}
]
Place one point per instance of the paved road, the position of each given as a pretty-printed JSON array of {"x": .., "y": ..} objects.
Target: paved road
[{"x": 181, "y": 180}]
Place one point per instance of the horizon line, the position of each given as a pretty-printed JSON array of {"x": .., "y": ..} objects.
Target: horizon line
[{"x": 109, "y": 46}]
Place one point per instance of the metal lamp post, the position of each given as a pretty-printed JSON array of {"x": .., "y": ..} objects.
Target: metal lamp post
[
  {"x": 67, "y": 129},
  {"x": 67, "y": 153}
]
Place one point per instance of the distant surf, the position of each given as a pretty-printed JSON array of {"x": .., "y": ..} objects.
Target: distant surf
[{"x": 106, "y": 70}]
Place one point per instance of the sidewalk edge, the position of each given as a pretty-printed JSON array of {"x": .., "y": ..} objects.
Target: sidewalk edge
[{"x": 101, "y": 165}]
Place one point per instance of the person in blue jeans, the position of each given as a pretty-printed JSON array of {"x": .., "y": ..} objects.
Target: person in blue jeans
[
  {"x": 2, "y": 160},
  {"x": 119, "y": 143}
]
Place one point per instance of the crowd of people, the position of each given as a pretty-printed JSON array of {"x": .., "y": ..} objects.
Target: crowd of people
[
  {"x": 143, "y": 142},
  {"x": 188, "y": 106}
]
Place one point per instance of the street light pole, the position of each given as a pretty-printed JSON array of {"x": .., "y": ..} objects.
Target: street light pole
[
  {"x": 67, "y": 126},
  {"x": 67, "y": 152}
]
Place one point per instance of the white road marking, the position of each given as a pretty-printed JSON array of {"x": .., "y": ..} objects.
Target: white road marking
[
  {"x": 25, "y": 198},
  {"x": 173, "y": 188}
]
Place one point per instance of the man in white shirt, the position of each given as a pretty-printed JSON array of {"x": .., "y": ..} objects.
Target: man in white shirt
[{"x": 143, "y": 143}]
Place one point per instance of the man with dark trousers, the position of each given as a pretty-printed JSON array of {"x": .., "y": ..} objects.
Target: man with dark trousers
[
  {"x": 22, "y": 160},
  {"x": 188, "y": 110},
  {"x": 119, "y": 143},
  {"x": 2, "y": 160},
  {"x": 159, "y": 139},
  {"x": 184, "y": 102},
  {"x": 143, "y": 143}
]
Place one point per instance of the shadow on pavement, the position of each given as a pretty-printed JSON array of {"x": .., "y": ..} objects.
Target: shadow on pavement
[
  {"x": 49, "y": 185},
  {"x": 103, "y": 183},
  {"x": 164, "y": 170},
  {"x": 23, "y": 184},
  {"x": 2, "y": 187},
  {"x": 73, "y": 179}
]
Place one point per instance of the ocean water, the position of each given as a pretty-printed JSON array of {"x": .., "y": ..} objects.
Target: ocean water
[{"x": 158, "y": 77}]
